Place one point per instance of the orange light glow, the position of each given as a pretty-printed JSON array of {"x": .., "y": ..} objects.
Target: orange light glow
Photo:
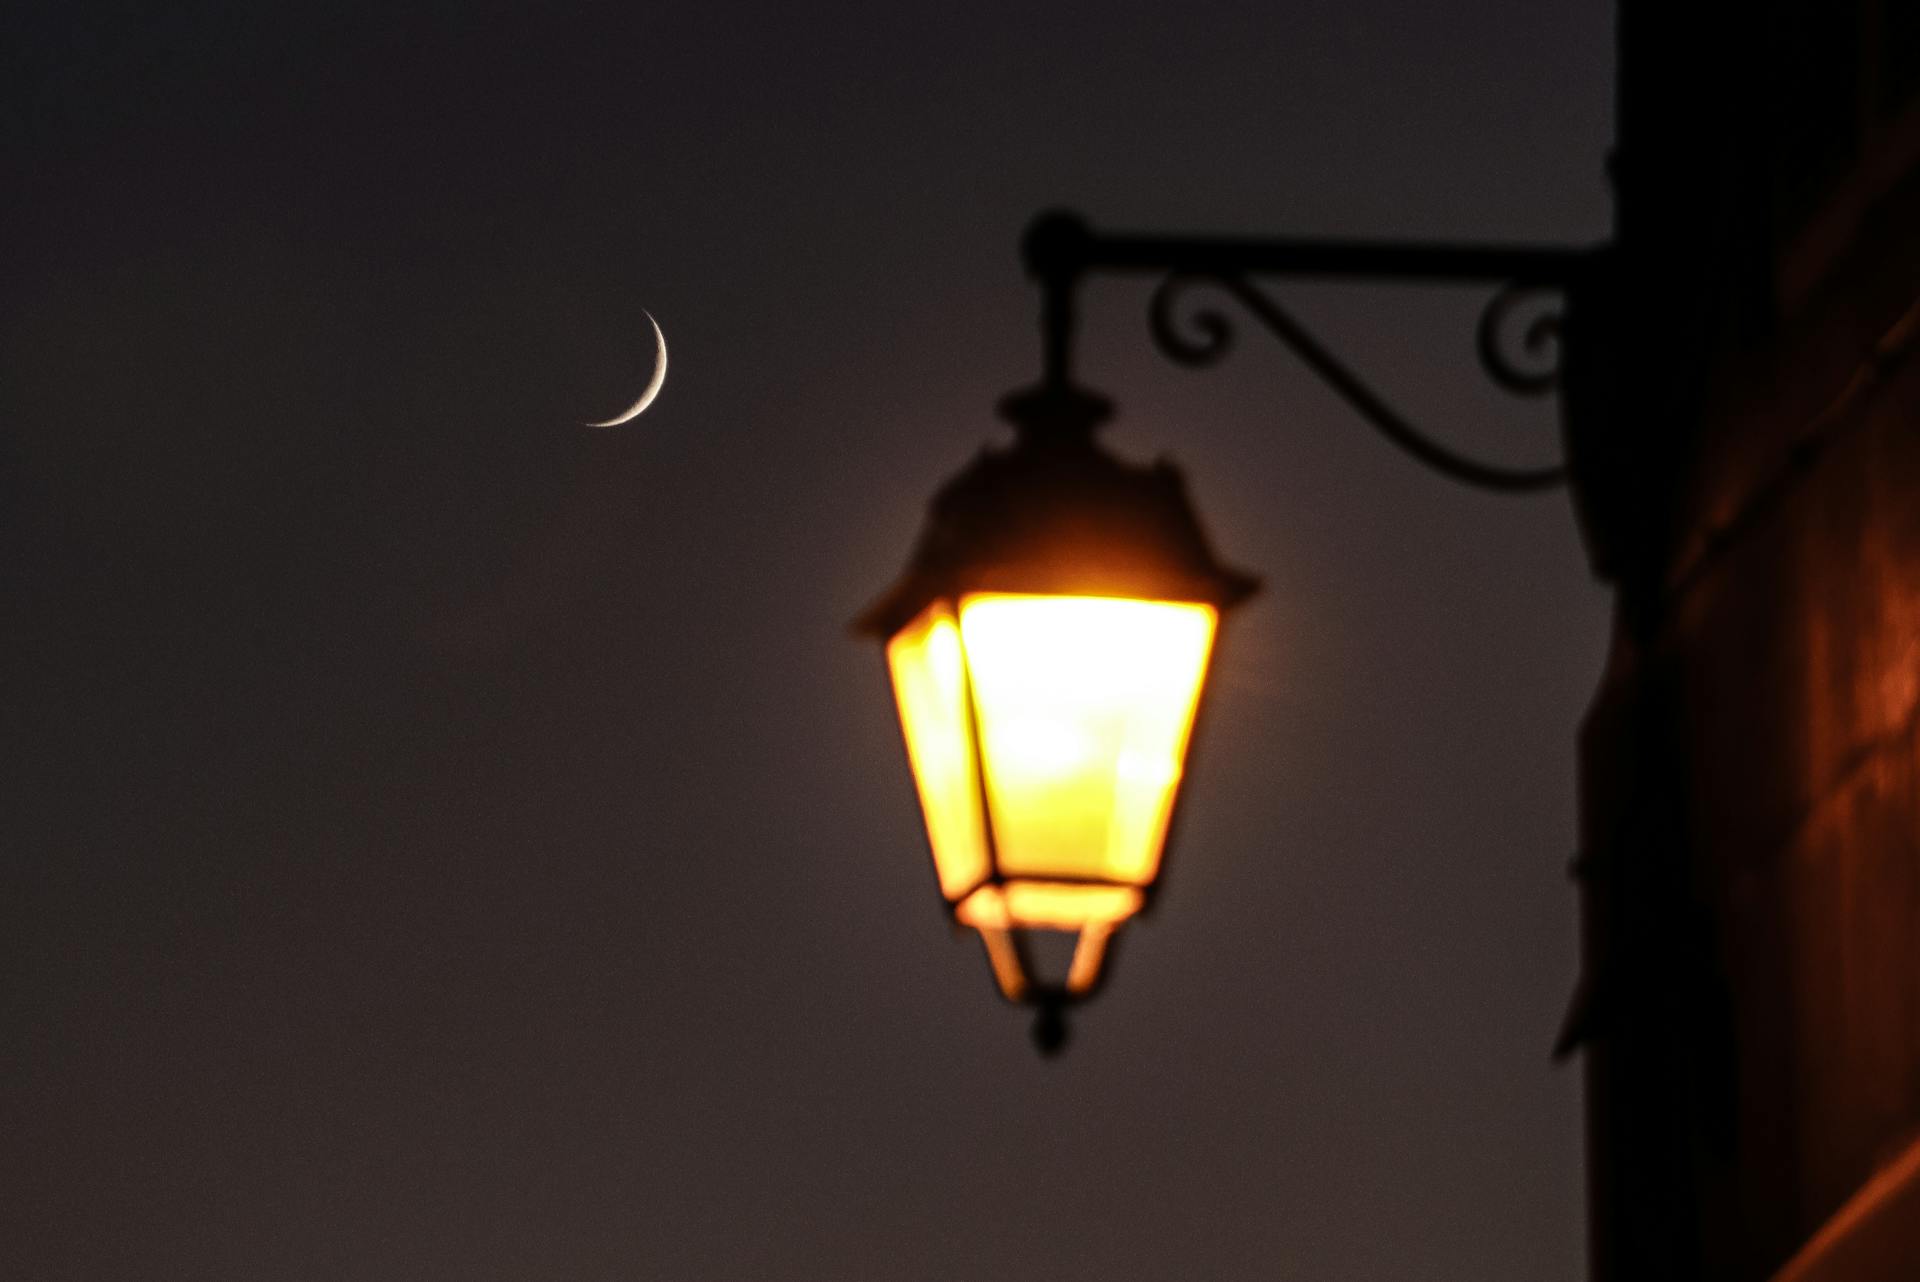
[
  {"x": 1047, "y": 736},
  {"x": 1049, "y": 905}
]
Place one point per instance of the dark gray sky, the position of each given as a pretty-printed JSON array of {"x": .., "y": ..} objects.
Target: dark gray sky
[{"x": 440, "y": 841}]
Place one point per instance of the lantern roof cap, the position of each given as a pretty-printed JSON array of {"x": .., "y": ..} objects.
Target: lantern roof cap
[{"x": 1055, "y": 513}]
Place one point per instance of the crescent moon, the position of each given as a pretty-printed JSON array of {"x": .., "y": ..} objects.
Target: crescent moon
[{"x": 653, "y": 384}]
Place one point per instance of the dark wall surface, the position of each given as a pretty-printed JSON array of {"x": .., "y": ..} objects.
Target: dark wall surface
[{"x": 1752, "y": 762}]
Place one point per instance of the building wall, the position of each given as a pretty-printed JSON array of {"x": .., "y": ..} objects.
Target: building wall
[{"x": 1751, "y": 765}]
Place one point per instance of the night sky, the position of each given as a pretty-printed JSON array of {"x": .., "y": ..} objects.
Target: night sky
[{"x": 442, "y": 841}]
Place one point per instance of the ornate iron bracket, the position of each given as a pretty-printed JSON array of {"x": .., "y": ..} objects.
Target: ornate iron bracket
[{"x": 1061, "y": 250}]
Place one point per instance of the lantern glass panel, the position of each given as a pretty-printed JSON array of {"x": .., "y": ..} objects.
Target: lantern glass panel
[
  {"x": 1084, "y": 706},
  {"x": 930, "y": 684}
]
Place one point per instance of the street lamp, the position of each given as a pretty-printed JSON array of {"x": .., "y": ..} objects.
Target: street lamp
[{"x": 1048, "y": 643}]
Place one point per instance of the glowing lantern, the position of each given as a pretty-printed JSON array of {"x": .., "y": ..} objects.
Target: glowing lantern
[{"x": 1048, "y": 645}]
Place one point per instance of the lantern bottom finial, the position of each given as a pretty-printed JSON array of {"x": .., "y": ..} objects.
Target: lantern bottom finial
[{"x": 1050, "y": 1028}]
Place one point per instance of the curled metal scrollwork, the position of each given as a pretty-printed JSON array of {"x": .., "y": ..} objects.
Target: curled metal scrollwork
[
  {"x": 1539, "y": 341},
  {"x": 1206, "y": 335},
  {"x": 1211, "y": 335}
]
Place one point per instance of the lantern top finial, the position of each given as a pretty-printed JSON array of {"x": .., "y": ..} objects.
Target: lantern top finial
[{"x": 1055, "y": 413}]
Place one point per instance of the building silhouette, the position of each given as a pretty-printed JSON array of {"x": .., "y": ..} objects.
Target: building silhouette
[{"x": 1746, "y": 458}]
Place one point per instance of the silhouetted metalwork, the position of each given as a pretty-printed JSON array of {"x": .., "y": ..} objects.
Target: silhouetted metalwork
[
  {"x": 1539, "y": 340},
  {"x": 1061, "y": 249}
]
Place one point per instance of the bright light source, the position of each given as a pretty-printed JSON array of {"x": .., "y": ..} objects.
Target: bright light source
[{"x": 1048, "y": 648}]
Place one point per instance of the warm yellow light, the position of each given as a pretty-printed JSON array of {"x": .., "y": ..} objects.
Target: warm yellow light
[
  {"x": 1047, "y": 736},
  {"x": 1084, "y": 706},
  {"x": 930, "y": 683}
]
